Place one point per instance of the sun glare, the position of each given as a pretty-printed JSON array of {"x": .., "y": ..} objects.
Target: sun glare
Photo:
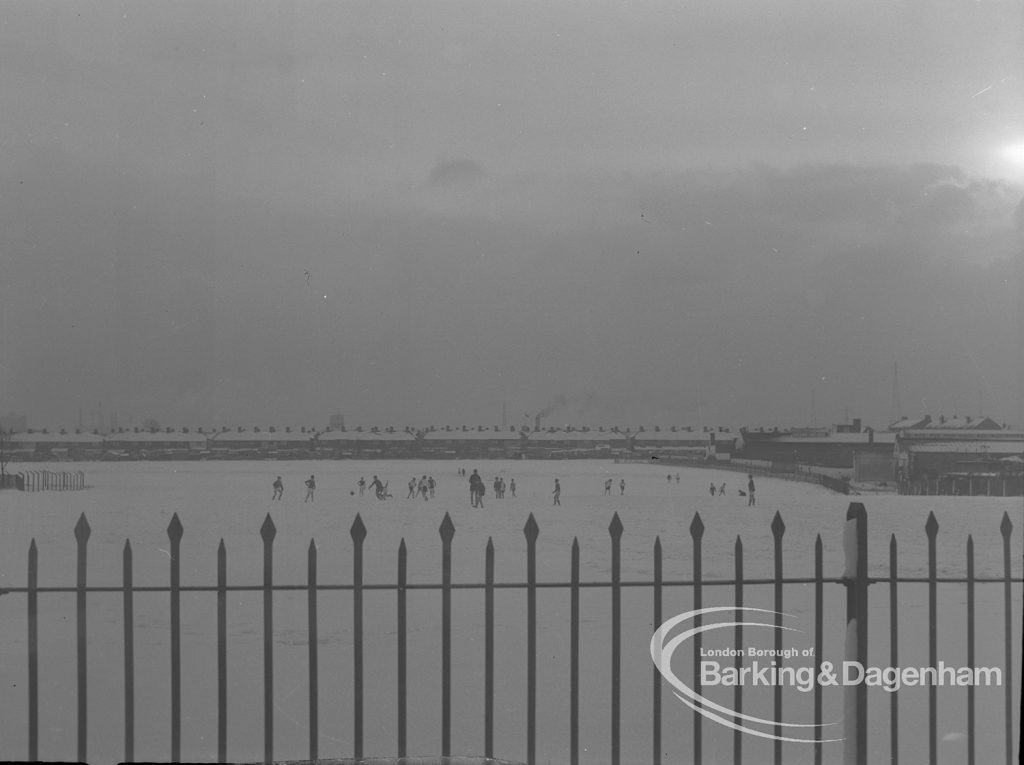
[{"x": 1013, "y": 153}]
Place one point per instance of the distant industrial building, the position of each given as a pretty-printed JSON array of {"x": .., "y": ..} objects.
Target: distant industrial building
[
  {"x": 952, "y": 423},
  {"x": 837, "y": 447},
  {"x": 44, "y": 445},
  {"x": 959, "y": 456},
  {"x": 261, "y": 443},
  {"x": 142, "y": 444}
]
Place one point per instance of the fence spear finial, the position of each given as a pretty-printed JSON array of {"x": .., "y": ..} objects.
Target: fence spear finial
[
  {"x": 531, "y": 530},
  {"x": 268, "y": 530},
  {"x": 175, "y": 529},
  {"x": 778, "y": 525},
  {"x": 447, "y": 528},
  {"x": 696, "y": 526},
  {"x": 82, "y": 530},
  {"x": 358, "y": 530}
]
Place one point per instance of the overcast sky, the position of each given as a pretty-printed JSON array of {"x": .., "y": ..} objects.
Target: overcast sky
[{"x": 679, "y": 212}]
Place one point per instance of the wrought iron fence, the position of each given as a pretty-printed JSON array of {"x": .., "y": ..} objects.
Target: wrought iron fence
[
  {"x": 856, "y": 581},
  {"x": 51, "y": 480}
]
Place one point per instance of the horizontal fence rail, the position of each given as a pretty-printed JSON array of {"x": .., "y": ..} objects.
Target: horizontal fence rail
[{"x": 855, "y": 580}]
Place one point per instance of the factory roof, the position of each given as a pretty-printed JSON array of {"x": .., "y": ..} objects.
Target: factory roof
[
  {"x": 473, "y": 434},
  {"x": 158, "y": 436},
  {"x": 968, "y": 447},
  {"x": 864, "y": 437},
  {"x": 38, "y": 437},
  {"x": 264, "y": 436},
  {"x": 364, "y": 436}
]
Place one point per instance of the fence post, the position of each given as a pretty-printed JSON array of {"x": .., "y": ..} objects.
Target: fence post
[
  {"x": 447, "y": 531},
  {"x": 1006, "y": 528},
  {"x": 894, "y": 708},
  {"x": 268, "y": 531},
  {"x": 33, "y": 652},
  {"x": 174, "y": 532},
  {"x": 697, "y": 534},
  {"x": 82, "y": 532},
  {"x": 931, "y": 528},
  {"x": 819, "y": 633},
  {"x": 488, "y": 650},
  {"x": 778, "y": 529},
  {"x": 737, "y": 698},
  {"x": 615, "y": 529},
  {"x": 129, "y": 652},
  {"x": 402, "y": 639},
  {"x": 574, "y": 654},
  {"x": 314, "y": 658},
  {"x": 970, "y": 647},
  {"x": 222, "y": 652},
  {"x": 656, "y": 701},
  {"x": 358, "y": 534},
  {"x": 531, "y": 532},
  {"x": 855, "y": 545}
]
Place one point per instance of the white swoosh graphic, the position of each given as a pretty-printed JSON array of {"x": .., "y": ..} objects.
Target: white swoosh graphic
[{"x": 661, "y": 653}]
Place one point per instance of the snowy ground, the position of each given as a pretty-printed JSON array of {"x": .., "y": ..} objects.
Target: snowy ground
[{"x": 229, "y": 500}]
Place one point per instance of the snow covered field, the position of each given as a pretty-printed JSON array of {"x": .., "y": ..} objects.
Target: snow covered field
[{"x": 229, "y": 500}]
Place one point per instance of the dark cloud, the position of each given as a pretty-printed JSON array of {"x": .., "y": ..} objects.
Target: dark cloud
[{"x": 683, "y": 297}]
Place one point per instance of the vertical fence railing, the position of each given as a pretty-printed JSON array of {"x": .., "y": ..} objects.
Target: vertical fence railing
[
  {"x": 894, "y": 701},
  {"x": 82, "y": 533},
  {"x": 737, "y": 693},
  {"x": 855, "y": 578},
  {"x": 531, "y": 532},
  {"x": 222, "y": 652},
  {"x": 970, "y": 647},
  {"x": 574, "y": 654},
  {"x": 314, "y": 658},
  {"x": 400, "y": 676},
  {"x": 268, "y": 531},
  {"x": 819, "y": 635},
  {"x": 489, "y": 648},
  {"x": 33, "y": 652},
  {"x": 697, "y": 535},
  {"x": 615, "y": 529},
  {"x": 447, "y": 532},
  {"x": 358, "y": 534},
  {"x": 932, "y": 529},
  {"x": 128, "y": 608},
  {"x": 1006, "y": 528},
  {"x": 656, "y": 701},
  {"x": 778, "y": 529},
  {"x": 174, "y": 534},
  {"x": 855, "y": 542}
]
